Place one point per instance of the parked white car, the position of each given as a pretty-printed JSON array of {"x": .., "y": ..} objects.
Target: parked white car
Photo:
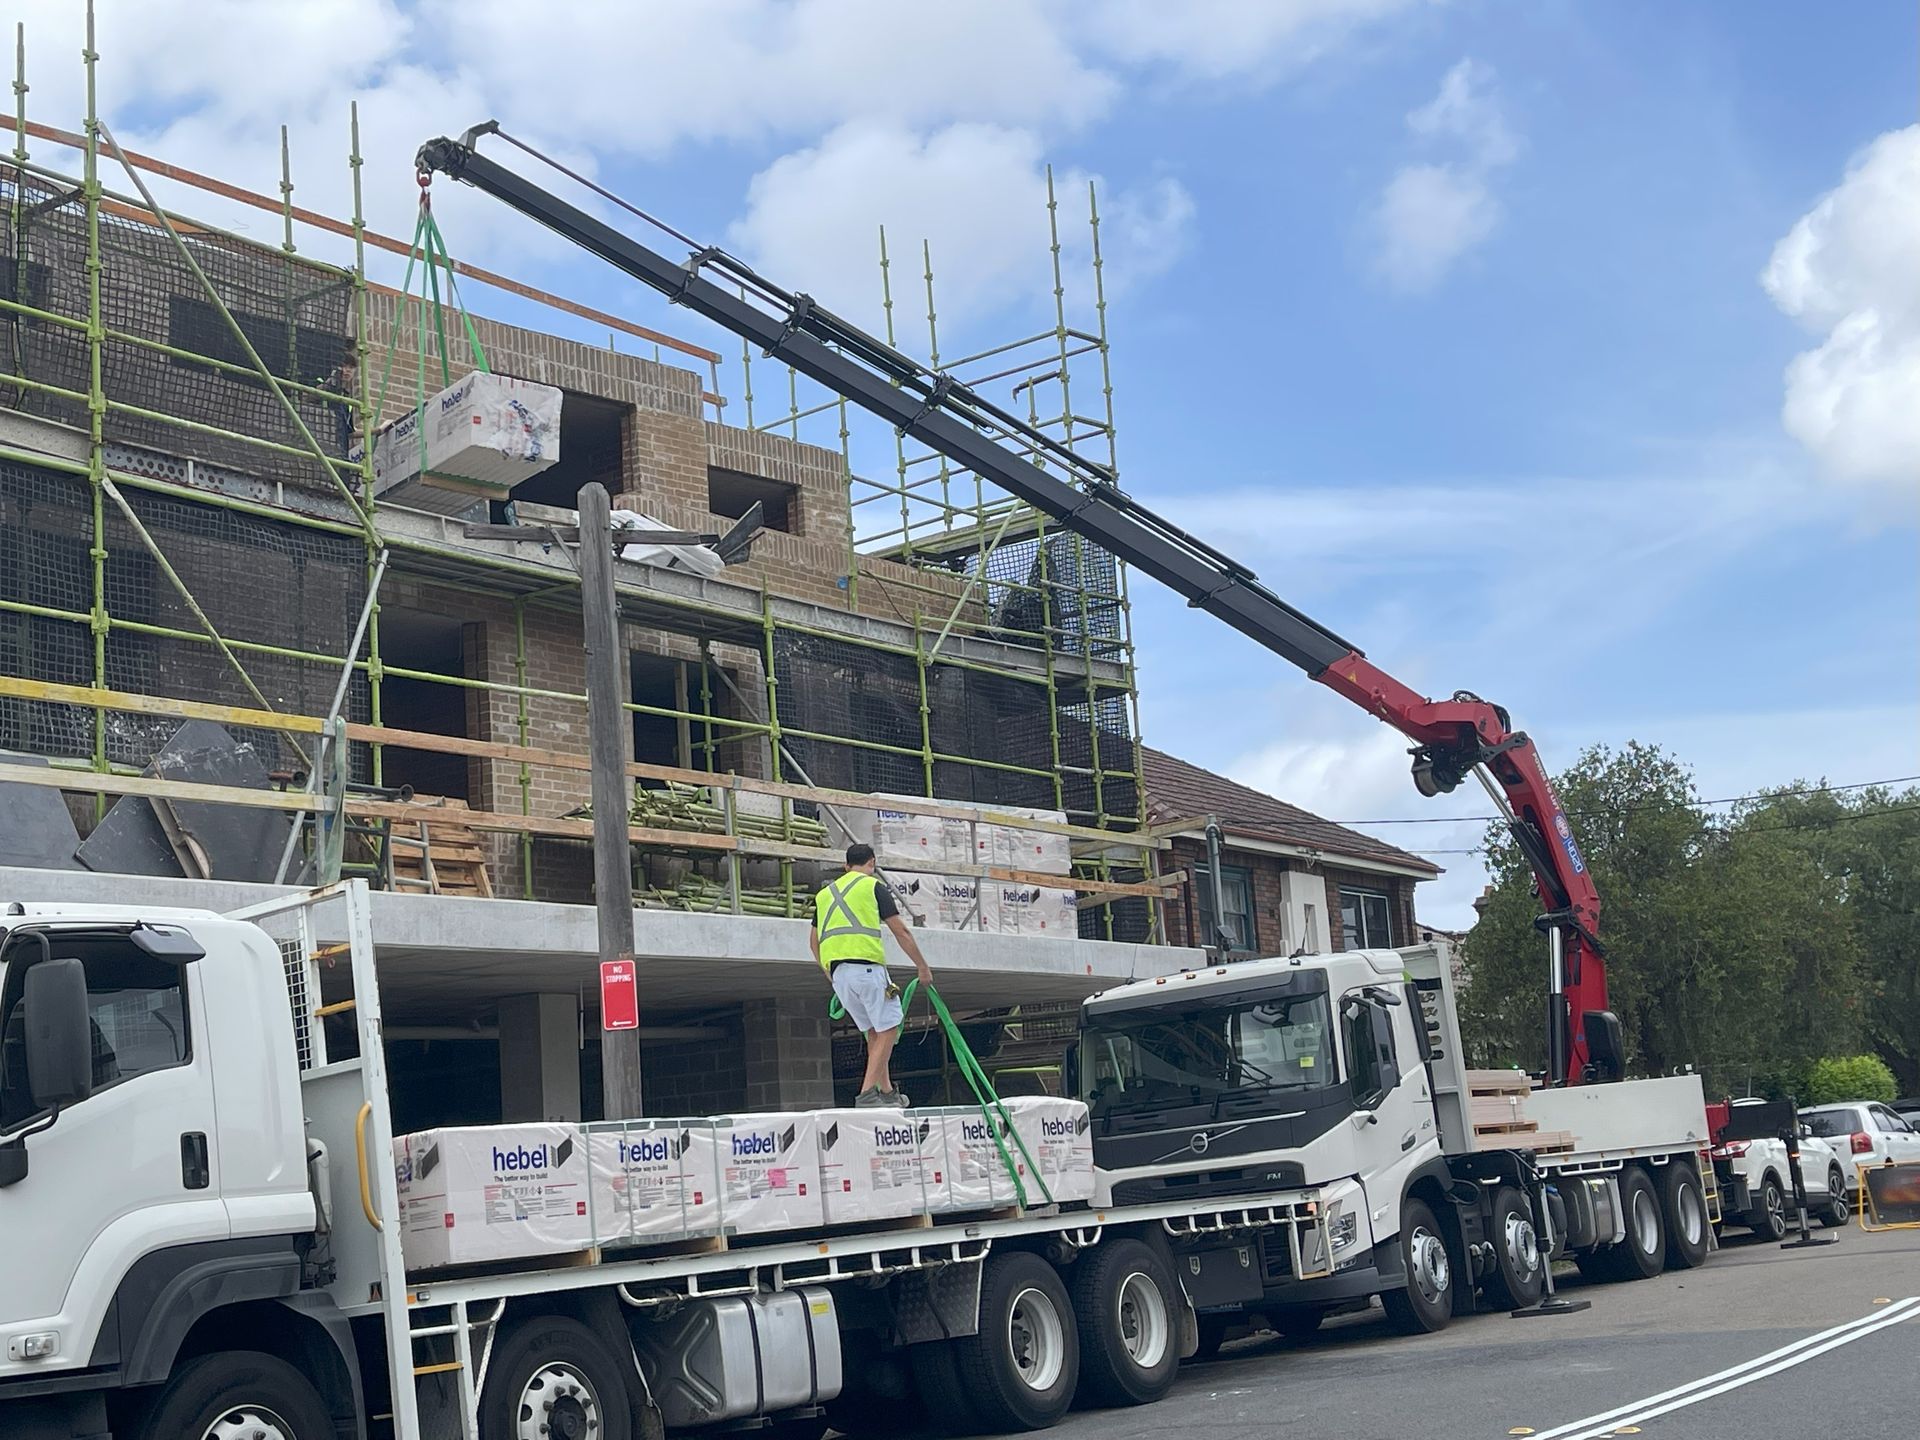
[
  {"x": 1756, "y": 1183},
  {"x": 1865, "y": 1132}
]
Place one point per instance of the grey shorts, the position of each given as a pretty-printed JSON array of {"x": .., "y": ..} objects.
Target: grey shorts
[{"x": 863, "y": 995}]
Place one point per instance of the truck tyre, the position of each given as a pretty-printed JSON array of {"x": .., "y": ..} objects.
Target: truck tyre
[
  {"x": 1213, "y": 1334},
  {"x": 1519, "y": 1269},
  {"x": 238, "y": 1393},
  {"x": 1129, "y": 1347},
  {"x": 1023, "y": 1366},
  {"x": 1836, "y": 1212},
  {"x": 936, "y": 1375},
  {"x": 1769, "y": 1217},
  {"x": 1297, "y": 1322},
  {"x": 1642, "y": 1254},
  {"x": 1683, "y": 1206},
  {"x": 554, "y": 1374},
  {"x": 1425, "y": 1304}
]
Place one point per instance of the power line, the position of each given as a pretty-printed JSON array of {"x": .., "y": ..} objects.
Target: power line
[
  {"x": 1744, "y": 830},
  {"x": 1629, "y": 809}
]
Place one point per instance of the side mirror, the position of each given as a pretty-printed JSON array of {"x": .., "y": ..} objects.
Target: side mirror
[
  {"x": 1070, "y": 1070},
  {"x": 59, "y": 1034}
]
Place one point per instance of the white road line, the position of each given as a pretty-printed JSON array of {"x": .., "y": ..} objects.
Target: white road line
[{"x": 1735, "y": 1376}]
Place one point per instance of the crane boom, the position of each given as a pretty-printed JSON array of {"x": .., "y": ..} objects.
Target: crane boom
[{"x": 1452, "y": 738}]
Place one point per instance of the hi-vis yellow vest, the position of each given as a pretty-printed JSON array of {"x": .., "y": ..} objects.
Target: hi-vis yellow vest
[{"x": 846, "y": 917}]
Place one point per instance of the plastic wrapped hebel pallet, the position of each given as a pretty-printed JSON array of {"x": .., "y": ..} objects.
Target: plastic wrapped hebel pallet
[
  {"x": 1059, "y": 1136},
  {"x": 976, "y": 1172},
  {"x": 938, "y": 902},
  {"x": 1017, "y": 848},
  {"x": 769, "y": 1171},
  {"x": 1038, "y": 910},
  {"x": 653, "y": 1180},
  {"x": 484, "y": 435},
  {"x": 908, "y": 841},
  {"x": 491, "y": 1192},
  {"x": 879, "y": 1164}
]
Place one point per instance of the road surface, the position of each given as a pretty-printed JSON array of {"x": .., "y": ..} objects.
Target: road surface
[{"x": 1602, "y": 1372}]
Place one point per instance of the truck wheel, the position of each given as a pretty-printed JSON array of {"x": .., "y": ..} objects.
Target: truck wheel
[
  {"x": 1128, "y": 1345},
  {"x": 1836, "y": 1212},
  {"x": 1683, "y": 1206},
  {"x": 1426, "y": 1302},
  {"x": 1519, "y": 1270},
  {"x": 936, "y": 1375},
  {"x": 1297, "y": 1322},
  {"x": 239, "y": 1395},
  {"x": 552, "y": 1376},
  {"x": 1023, "y": 1365},
  {"x": 1769, "y": 1216},
  {"x": 1643, "y": 1253},
  {"x": 1213, "y": 1334}
]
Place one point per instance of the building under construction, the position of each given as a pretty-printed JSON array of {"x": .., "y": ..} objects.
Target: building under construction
[{"x": 192, "y": 537}]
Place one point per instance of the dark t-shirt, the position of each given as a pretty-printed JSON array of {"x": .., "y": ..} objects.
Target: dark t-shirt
[{"x": 884, "y": 898}]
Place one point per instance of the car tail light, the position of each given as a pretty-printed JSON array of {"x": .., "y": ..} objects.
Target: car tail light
[
  {"x": 1862, "y": 1142},
  {"x": 1732, "y": 1149}
]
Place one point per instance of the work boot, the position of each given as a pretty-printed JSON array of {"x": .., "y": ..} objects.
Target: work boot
[
  {"x": 898, "y": 1099},
  {"x": 873, "y": 1099}
]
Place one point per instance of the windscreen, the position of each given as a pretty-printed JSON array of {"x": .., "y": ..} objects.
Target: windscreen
[
  {"x": 1828, "y": 1123},
  {"x": 1153, "y": 1057}
]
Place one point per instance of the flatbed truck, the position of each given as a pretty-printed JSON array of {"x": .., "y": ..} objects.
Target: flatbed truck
[{"x": 200, "y": 1198}]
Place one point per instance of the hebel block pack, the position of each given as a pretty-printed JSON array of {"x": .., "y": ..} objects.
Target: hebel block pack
[
  {"x": 653, "y": 1180},
  {"x": 491, "y": 1192},
  {"x": 976, "y": 1171},
  {"x": 769, "y": 1171},
  {"x": 879, "y": 1164},
  {"x": 1059, "y": 1137}
]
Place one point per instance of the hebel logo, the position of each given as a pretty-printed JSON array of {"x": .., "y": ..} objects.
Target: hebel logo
[
  {"x": 745, "y": 1146},
  {"x": 893, "y": 1137},
  {"x": 1058, "y": 1129},
  {"x": 640, "y": 1152},
  {"x": 520, "y": 1157}
]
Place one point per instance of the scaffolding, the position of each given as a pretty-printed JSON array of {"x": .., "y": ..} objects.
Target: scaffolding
[{"x": 194, "y": 524}]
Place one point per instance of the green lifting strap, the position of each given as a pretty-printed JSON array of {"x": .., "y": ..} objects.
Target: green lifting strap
[
  {"x": 978, "y": 1081},
  {"x": 429, "y": 247}
]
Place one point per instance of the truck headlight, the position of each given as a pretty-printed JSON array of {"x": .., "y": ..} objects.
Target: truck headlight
[{"x": 1343, "y": 1227}]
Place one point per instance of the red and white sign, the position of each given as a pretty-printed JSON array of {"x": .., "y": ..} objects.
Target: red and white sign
[{"x": 619, "y": 996}]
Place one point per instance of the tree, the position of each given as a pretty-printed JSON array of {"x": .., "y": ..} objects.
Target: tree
[
  {"x": 1850, "y": 1077},
  {"x": 1726, "y": 944}
]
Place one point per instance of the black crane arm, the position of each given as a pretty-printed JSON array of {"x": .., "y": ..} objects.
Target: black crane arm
[{"x": 937, "y": 410}]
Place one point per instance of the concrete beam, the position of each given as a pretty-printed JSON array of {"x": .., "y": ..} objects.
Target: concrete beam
[{"x": 539, "y": 1057}]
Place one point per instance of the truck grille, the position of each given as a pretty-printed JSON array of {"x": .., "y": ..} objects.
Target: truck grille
[{"x": 1207, "y": 1184}]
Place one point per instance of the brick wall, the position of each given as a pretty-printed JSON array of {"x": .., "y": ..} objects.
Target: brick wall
[{"x": 1184, "y": 925}]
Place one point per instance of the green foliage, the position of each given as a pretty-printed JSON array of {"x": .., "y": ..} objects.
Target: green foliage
[
  {"x": 1849, "y": 1077},
  {"x": 1747, "y": 945}
]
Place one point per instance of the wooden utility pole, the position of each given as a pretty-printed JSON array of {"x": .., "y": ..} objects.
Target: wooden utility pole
[{"x": 610, "y": 742}]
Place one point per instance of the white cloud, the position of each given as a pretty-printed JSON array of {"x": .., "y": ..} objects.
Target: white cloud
[
  {"x": 1433, "y": 212},
  {"x": 1206, "y": 40},
  {"x": 976, "y": 192},
  {"x": 1851, "y": 267}
]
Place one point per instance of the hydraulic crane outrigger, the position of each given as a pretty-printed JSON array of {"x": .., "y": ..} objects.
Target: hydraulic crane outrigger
[{"x": 1452, "y": 738}]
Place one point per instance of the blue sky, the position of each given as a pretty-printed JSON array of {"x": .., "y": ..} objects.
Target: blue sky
[{"x": 1569, "y": 353}]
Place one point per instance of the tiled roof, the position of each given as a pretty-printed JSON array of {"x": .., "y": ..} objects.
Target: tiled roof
[{"x": 1176, "y": 790}]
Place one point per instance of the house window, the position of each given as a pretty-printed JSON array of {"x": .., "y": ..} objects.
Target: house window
[
  {"x": 1364, "y": 919},
  {"x": 1236, "y": 891},
  {"x": 731, "y": 493}
]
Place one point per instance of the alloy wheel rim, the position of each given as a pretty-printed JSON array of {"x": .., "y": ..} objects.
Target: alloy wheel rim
[
  {"x": 1143, "y": 1322},
  {"x": 1430, "y": 1272},
  {"x": 249, "y": 1422},
  {"x": 1646, "y": 1223},
  {"x": 557, "y": 1403},
  {"x": 1036, "y": 1339},
  {"x": 1693, "y": 1215}
]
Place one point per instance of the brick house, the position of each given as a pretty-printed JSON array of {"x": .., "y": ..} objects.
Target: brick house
[{"x": 1292, "y": 881}]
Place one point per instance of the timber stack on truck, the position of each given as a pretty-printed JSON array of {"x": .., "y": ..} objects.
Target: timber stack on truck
[{"x": 213, "y": 1203}]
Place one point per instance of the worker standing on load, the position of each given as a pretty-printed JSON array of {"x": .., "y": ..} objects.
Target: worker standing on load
[{"x": 850, "y": 918}]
